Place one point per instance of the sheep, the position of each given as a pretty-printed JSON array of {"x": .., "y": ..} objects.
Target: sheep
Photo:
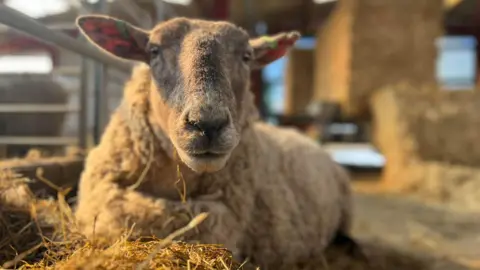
[{"x": 187, "y": 139}]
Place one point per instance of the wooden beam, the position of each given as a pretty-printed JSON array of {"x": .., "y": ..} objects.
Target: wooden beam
[
  {"x": 37, "y": 140},
  {"x": 447, "y": 3},
  {"x": 35, "y": 108},
  {"x": 476, "y": 22},
  {"x": 100, "y": 106},
  {"x": 221, "y": 10}
]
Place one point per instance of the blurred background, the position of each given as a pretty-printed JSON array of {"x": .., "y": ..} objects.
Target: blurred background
[{"x": 390, "y": 88}]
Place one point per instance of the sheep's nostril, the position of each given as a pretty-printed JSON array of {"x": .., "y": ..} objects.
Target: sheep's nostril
[
  {"x": 191, "y": 124},
  {"x": 209, "y": 127}
]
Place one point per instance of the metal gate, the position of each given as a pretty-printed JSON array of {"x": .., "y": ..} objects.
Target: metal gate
[{"x": 19, "y": 21}]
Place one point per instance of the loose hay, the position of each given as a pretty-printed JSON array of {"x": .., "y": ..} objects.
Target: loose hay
[
  {"x": 17, "y": 230},
  {"x": 41, "y": 234},
  {"x": 128, "y": 255}
]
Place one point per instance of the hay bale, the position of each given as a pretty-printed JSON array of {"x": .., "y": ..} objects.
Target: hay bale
[
  {"x": 372, "y": 44},
  {"x": 332, "y": 57},
  {"x": 430, "y": 142},
  {"x": 440, "y": 127},
  {"x": 298, "y": 81},
  {"x": 447, "y": 127},
  {"x": 456, "y": 186},
  {"x": 31, "y": 89},
  {"x": 390, "y": 135}
]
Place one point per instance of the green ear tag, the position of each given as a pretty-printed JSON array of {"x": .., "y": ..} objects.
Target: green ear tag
[
  {"x": 122, "y": 28},
  {"x": 272, "y": 43}
]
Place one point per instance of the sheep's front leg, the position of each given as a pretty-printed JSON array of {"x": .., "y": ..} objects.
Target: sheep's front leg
[
  {"x": 220, "y": 227},
  {"x": 108, "y": 210}
]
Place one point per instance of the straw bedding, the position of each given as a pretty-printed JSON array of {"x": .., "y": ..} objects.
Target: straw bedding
[{"x": 40, "y": 234}]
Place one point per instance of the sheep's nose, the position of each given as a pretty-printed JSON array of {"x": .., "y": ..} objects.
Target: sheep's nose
[{"x": 211, "y": 128}]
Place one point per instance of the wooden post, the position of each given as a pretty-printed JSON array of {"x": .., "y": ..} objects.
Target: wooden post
[
  {"x": 101, "y": 102},
  {"x": 83, "y": 106},
  {"x": 101, "y": 111},
  {"x": 221, "y": 9},
  {"x": 299, "y": 73},
  {"x": 476, "y": 26}
]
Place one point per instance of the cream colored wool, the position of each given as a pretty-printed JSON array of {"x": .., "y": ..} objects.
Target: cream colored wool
[{"x": 279, "y": 200}]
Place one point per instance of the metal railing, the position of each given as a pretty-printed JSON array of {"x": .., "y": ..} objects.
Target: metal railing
[
  {"x": 21, "y": 22},
  {"x": 35, "y": 108}
]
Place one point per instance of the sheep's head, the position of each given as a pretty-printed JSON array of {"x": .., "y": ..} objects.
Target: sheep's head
[{"x": 201, "y": 74}]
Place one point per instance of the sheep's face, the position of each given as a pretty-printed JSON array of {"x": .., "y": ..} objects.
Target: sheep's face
[{"x": 200, "y": 71}]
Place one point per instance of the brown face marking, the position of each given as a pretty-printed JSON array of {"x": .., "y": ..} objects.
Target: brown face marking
[{"x": 200, "y": 61}]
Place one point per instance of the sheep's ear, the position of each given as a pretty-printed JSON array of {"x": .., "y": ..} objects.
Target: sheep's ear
[
  {"x": 115, "y": 36},
  {"x": 267, "y": 49}
]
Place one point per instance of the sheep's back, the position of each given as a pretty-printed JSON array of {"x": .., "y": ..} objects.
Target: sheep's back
[{"x": 304, "y": 200}]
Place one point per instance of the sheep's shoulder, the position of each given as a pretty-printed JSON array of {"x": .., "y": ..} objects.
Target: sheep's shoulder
[
  {"x": 115, "y": 146},
  {"x": 288, "y": 141},
  {"x": 297, "y": 160},
  {"x": 115, "y": 158},
  {"x": 299, "y": 164},
  {"x": 301, "y": 196}
]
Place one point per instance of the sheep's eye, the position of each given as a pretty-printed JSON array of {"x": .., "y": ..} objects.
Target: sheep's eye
[
  {"x": 154, "y": 51},
  {"x": 247, "y": 57}
]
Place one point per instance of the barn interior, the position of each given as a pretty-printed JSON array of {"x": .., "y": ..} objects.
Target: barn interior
[{"x": 389, "y": 88}]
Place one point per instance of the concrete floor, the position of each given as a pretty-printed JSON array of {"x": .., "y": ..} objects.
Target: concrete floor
[{"x": 444, "y": 240}]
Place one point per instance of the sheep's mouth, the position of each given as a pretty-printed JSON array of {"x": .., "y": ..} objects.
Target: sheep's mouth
[
  {"x": 207, "y": 155},
  {"x": 205, "y": 161}
]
